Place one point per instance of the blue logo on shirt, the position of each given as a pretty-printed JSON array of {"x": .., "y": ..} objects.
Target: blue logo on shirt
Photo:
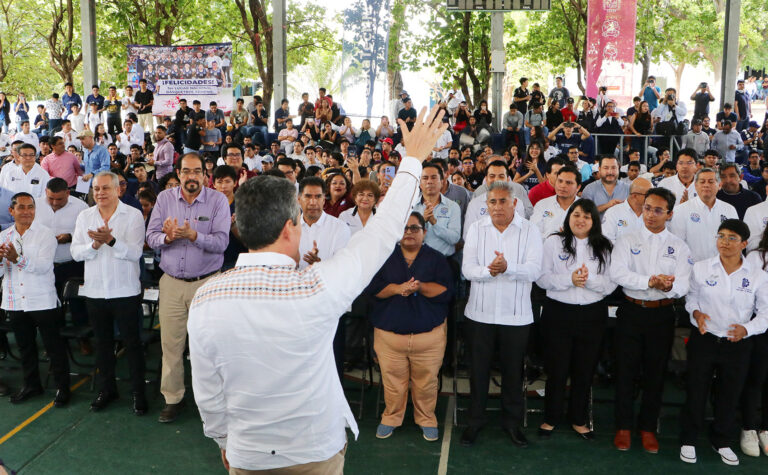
[
  {"x": 548, "y": 214},
  {"x": 563, "y": 257},
  {"x": 690, "y": 260},
  {"x": 745, "y": 282},
  {"x": 695, "y": 217},
  {"x": 765, "y": 221},
  {"x": 634, "y": 250},
  {"x": 622, "y": 223},
  {"x": 723, "y": 218},
  {"x": 670, "y": 250},
  {"x": 711, "y": 283},
  {"x": 483, "y": 211},
  {"x": 444, "y": 210}
]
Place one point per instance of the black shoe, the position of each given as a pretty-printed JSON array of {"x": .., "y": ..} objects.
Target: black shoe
[
  {"x": 545, "y": 433},
  {"x": 25, "y": 393},
  {"x": 4, "y": 389},
  {"x": 589, "y": 436},
  {"x": 469, "y": 436},
  {"x": 103, "y": 400},
  {"x": 62, "y": 398},
  {"x": 170, "y": 412},
  {"x": 517, "y": 437},
  {"x": 139, "y": 403}
]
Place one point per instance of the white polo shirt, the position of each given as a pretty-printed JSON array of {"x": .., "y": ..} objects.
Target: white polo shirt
[
  {"x": 620, "y": 219},
  {"x": 696, "y": 224},
  {"x": 673, "y": 184},
  {"x": 549, "y": 216},
  {"x": 477, "y": 208},
  {"x": 32, "y": 182},
  {"x": 756, "y": 218}
]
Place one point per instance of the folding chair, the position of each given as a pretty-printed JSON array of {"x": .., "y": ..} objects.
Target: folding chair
[
  {"x": 5, "y": 346},
  {"x": 70, "y": 332}
]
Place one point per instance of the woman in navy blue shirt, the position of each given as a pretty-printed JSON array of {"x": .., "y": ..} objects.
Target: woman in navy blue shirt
[{"x": 411, "y": 298}]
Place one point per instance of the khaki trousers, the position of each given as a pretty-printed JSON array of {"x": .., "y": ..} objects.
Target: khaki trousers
[
  {"x": 332, "y": 466},
  {"x": 414, "y": 358},
  {"x": 147, "y": 122},
  {"x": 175, "y": 298}
]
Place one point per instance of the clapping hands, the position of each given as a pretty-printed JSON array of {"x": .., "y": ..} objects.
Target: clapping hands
[{"x": 498, "y": 265}]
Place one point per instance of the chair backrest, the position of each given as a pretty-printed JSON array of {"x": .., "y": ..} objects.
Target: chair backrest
[{"x": 72, "y": 289}]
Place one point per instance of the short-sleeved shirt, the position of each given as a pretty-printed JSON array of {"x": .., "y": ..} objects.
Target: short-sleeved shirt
[
  {"x": 560, "y": 94},
  {"x": 144, "y": 98},
  {"x": 522, "y": 106},
  {"x": 650, "y": 97}
]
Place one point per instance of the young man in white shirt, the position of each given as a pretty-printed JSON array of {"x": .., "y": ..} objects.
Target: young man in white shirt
[
  {"x": 27, "y": 176},
  {"x": 110, "y": 236},
  {"x": 756, "y": 218},
  {"x": 502, "y": 258},
  {"x": 726, "y": 290},
  {"x": 653, "y": 267},
  {"x": 549, "y": 213},
  {"x": 128, "y": 99},
  {"x": 77, "y": 119},
  {"x": 69, "y": 134},
  {"x": 303, "y": 413},
  {"x": 27, "y": 249},
  {"x": 28, "y": 137},
  {"x": 126, "y": 138},
  {"x": 696, "y": 221},
  {"x": 682, "y": 184}
]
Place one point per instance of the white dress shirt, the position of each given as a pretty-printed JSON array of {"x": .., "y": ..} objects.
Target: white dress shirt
[
  {"x": 673, "y": 184},
  {"x": 30, "y": 138},
  {"x": 137, "y": 133},
  {"x": 351, "y": 218},
  {"x": 558, "y": 267},
  {"x": 696, "y": 224},
  {"x": 619, "y": 220},
  {"x": 639, "y": 255},
  {"x": 756, "y": 218},
  {"x": 442, "y": 141},
  {"x": 253, "y": 163},
  {"x": 77, "y": 122},
  {"x": 260, "y": 339},
  {"x": 60, "y": 222},
  {"x": 32, "y": 182},
  {"x": 110, "y": 272},
  {"x": 124, "y": 142},
  {"x": 506, "y": 298},
  {"x": 549, "y": 216},
  {"x": 28, "y": 285},
  {"x": 477, "y": 208},
  {"x": 729, "y": 298},
  {"x": 328, "y": 232},
  {"x": 70, "y": 138}
]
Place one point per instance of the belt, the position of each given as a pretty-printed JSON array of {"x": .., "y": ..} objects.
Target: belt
[
  {"x": 195, "y": 279},
  {"x": 651, "y": 303}
]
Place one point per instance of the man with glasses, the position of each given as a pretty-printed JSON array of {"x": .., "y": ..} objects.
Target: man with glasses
[
  {"x": 190, "y": 225},
  {"x": 28, "y": 176},
  {"x": 681, "y": 184},
  {"x": 697, "y": 220},
  {"x": 653, "y": 267},
  {"x": 233, "y": 156}
]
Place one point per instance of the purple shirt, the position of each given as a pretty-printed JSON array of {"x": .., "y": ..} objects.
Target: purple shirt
[
  {"x": 208, "y": 215},
  {"x": 163, "y": 158}
]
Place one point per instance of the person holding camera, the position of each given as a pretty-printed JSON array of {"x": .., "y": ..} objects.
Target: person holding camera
[
  {"x": 651, "y": 93},
  {"x": 702, "y": 97},
  {"x": 670, "y": 114}
]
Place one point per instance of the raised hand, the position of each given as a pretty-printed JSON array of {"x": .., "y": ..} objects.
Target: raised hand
[
  {"x": 420, "y": 140},
  {"x": 311, "y": 257}
]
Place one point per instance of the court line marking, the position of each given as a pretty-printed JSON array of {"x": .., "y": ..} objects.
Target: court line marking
[
  {"x": 445, "y": 448},
  {"x": 39, "y": 413}
]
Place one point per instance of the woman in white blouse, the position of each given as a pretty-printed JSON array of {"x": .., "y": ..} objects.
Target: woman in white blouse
[
  {"x": 366, "y": 194},
  {"x": 575, "y": 276}
]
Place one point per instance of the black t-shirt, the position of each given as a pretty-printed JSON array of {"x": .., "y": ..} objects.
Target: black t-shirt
[
  {"x": 194, "y": 141},
  {"x": 536, "y": 97},
  {"x": 522, "y": 106},
  {"x": 476, "y": 179},
  {"x": 701, "y": 106},
  {"x": 182, "y": 116},
  {"x": 742, "y": 101},
  {"x": 235, "y": 247},
  {"x": 741, "y": 200},
  {"x": 721, "y": 117},
  {"x": 260, "y": 119},
  {"x": 144, "y": 98},
  {"x": 564, "y": 143},
  {"x": 407, "y": 114}
]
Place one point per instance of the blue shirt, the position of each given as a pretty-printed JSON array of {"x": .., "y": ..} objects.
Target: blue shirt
[
  {"x": 67, "y": 101},
  {"x": 99, "y": 100},
  {"x": 446, "y": 232},
  {"x": 596, "y": 192},
  {"x": 6, "y": 220},
  {"x": 96, "y": 160},
  {"x": 21, "y": 111},
  {"x": 650, "y": 97},
  {"x": 415, "y": 313}
]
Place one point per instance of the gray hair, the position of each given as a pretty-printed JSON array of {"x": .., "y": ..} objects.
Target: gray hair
[
  {"x": 706, "y": 170},
  {"x": 262, "y": 206},
  {"x": 113, "y": 176},
  {"x": 502, "y": 185}
]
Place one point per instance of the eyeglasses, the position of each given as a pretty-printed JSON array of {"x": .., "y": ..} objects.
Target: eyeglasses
[
  {"x": 729, "y": 238},
  {"x": 234, "y": 155},
  {"x": 187, "y": 171},
  {"x": 414, "y": 228},
  {"x": 123, "y": 183},
  {"x": 655, "y": 211}
]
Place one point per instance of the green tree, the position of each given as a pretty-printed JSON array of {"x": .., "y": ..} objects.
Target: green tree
[{"x": 62, "y": 34}]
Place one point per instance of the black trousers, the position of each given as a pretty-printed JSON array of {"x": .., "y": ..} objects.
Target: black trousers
[
  {"x": 510, "y": 341},
  {"x": 643, "y": 341},
  {"x": 63, "y": 272},
  {"x": 114, "y": 125},
  {"x": 48, "y": 322},
  {"x": 573, "y": 342},
  {"x": 710, "y": 357},
  {"x": 755, "y": 392},
  {"x": 104, "y": 313}
]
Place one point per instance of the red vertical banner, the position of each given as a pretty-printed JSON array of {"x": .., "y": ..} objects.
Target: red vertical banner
[{"x": 611, "y": 48}]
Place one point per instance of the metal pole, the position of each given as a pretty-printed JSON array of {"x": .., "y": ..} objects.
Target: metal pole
[
  {"x": 88, "y": 36},
  {"x": 498, "y": 67},
  {"x": 280, "y": 88},
  {"x": 730, "y": 52}
]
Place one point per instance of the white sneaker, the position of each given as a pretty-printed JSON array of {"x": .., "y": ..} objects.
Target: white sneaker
[
  {"x": 727, "y": 455},
  {"x": 749, "y": 443},
  {"x": 763, "y": 437},
  {"x": 688, "y": 454}
]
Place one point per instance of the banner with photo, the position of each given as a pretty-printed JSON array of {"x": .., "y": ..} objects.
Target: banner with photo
[
  {"x": 611, "y": 48},
  {"x": 202, "y": 72}
]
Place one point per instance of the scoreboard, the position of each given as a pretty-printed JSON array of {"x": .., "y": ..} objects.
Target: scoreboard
[{"x": 497, "y": 5}]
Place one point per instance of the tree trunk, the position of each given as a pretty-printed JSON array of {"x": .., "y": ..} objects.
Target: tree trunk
[
  {"x": 678, "y": 68},
  {"x": 394, "y": 78},
  {"x": 646, "y": 63}
]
